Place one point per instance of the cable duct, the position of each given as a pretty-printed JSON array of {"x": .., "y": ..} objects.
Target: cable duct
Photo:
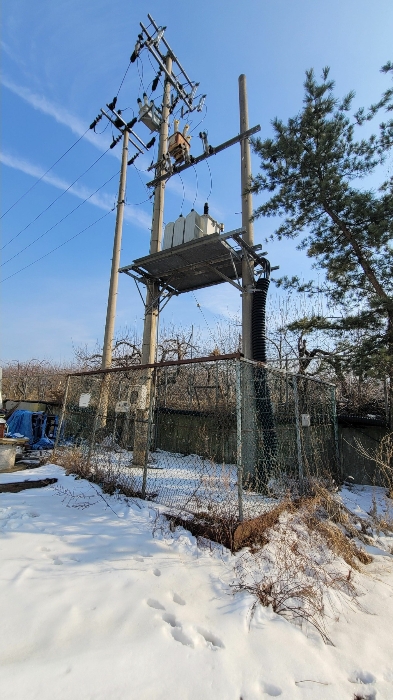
[{"x": 266, "y": 462}]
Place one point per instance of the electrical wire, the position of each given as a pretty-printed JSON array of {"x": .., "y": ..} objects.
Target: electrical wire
[
  {"x": 137, "y": 204},
  {"x": 104, "y": 129},
  {"x": 55, "y": 200},
  {"x": 211, "y": 181},
  {"x": 61, "y": 220},
  {"x": 141, "y": 85},
  {"x": 204, "y": 318},
  {"x": 141, "y": 171},
  {"x": 59, "y": 246},
  {"x": 196, "y": 186},
  {"x": 42, "y": 176},
  {"x": 184, "y": 194},
  {"x": 123, "y": 79},
  {"x": 202, "y": 120}
]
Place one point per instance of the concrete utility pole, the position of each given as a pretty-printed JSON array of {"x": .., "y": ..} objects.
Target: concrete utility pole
[
  {"x": 113, "y": 286},
  {"x": 248, "y": 442},
  {"x": 151, "y": 318},
  {"x": 149, "y": 342},
  {"x": 114, "y": 281},
  {"x": 248, "y": 236}
]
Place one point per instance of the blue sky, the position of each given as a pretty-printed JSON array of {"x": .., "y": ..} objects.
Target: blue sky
[{"x": 63, "y": 61}]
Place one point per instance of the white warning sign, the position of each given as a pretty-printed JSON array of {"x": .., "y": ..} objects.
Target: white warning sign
[{"x": 84, "y": 400}]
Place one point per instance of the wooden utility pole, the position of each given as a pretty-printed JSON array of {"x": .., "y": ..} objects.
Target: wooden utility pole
[
  {"x": 247, "y": 224},
  {"x": 149, "y": 342}
]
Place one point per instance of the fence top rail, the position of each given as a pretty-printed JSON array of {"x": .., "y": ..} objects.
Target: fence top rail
[
  {"x": 284, "y": 373},
  {"x": 157, "y": 365}
]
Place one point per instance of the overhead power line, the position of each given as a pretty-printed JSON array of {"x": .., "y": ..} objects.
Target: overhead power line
[
  {"x": 54, "y": 201},
  {"x": 59, "y": 246},
  {"x": 60, "y": 221},
  {"x": 45, "y": 173}
]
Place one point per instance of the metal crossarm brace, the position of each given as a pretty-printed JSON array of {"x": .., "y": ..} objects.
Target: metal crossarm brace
[
  {"x": 221, "y": 274},
  {"x": 204, "y": 156},
  {"x": 130, "y": 131},
  {"x": 160, "y": 60},
  {"x": 249, "y": 249},
  {"x": 174, "y": 58}
]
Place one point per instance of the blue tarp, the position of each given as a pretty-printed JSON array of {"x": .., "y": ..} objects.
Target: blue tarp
[{"x": 21, "y": 423}]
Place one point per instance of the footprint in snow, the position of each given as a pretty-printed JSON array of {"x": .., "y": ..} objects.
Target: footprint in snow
[
  {"x": 177, "y": 599},
  {"x": 362, "y": 677},
  {"x": 271, "y": 690},
  {"x": 179, "y": 636},
  {"x": 211, "y": 640},
  {"x": 365, "y": 695},
  {"x": 176, "y": 631},
  {"x": 154, "y": 604},
  {"x": 171, "y": 620}
]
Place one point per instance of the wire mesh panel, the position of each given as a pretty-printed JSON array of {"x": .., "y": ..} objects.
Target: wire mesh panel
[{"x": 211, "y": 436}]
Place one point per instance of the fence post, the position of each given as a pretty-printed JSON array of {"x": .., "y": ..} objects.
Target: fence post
[
  {"x": 97, "y": 416},
  {"x": 63, "y": 410},
  {"x": 335, "y": 428},
  {"x": 149, "y": 427},
  {"x": 239, "y": 439},
  {"x": 298, "y": 432}
]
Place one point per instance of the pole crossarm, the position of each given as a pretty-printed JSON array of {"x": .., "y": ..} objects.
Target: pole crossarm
[
  {"x": 152, "y": 44},
  {"x": 212, "y": 152}
]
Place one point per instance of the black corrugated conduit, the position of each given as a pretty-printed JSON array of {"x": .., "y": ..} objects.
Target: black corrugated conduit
[
  {"x": 263, "y": 405},
  {"x": 258, "y": 320}
]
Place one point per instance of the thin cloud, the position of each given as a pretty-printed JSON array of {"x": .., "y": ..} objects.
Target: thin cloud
[
  {"x": 78, "y": 127},
  {"x": 57, "y": 112},
  {"x": 103, "y": 201}
]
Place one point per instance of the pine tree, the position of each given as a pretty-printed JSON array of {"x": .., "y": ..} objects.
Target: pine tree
[{"x": 314, "y": 170}]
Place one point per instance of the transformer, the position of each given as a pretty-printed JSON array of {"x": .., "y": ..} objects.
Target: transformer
[
  {"x": 149, "y": 114},
  {"x": 188, "y": 228},
  {"x": 179, "y": 144}
]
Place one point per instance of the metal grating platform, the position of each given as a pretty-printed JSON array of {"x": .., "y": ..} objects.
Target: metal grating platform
[{"x": 201, "y": 263}]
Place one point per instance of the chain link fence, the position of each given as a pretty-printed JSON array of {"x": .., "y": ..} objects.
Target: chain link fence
[{"x": 214, "y": 435}]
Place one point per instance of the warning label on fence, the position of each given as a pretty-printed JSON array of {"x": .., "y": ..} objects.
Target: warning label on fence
[{"x": 122, "y": 407}]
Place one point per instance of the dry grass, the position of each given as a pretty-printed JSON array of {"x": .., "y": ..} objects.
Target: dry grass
[
  {"x": 383, "y": 457},
  {"x": 99, "y": 470},
  {"x": 301, "y": 556}
]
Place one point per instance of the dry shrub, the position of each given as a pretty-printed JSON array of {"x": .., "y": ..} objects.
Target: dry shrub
[
  {"x": 72, "y": 459},
  {"x": 100, "y": 469},
  {"x": 254, "y": 533},
  {"x": 383, "y": 457},
  {"x": 205, "y": 526},
  {"x": 296, "y": 573},
  {"x": 298, "y": 555}
]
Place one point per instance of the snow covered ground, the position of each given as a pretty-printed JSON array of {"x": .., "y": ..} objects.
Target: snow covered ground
[{"x": 93, "y": 605}]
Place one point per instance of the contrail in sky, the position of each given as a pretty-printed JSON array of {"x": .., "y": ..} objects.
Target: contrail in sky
[{"x": 132, "y": 214}]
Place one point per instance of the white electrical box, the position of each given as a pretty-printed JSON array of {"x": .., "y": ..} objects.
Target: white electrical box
[
  {"x": 192, "y": 228},
  {"x": 168, "y": 236},
  {"x": 189, "y": 228},
  {"x": 178, "y": 232},
  {"x": 84, "y": 400},
  {"x": 306, "y": 420}
]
